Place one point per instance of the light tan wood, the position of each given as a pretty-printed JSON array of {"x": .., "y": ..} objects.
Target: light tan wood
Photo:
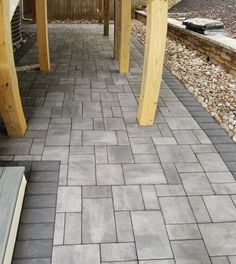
[
  {"x": 157, "y": 12},
  {"x": 125, "y": 34},
  {"x": 42, "y": 34},
  {"x": 106, "y": 17},
  {"x": 10, "y": 102},
  {"x": 117, "y": 29}
]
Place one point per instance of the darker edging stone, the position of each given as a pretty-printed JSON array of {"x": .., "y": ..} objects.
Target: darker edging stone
[
  {"x": 217, "y": 135},
  {"x": 34, "y": 240}
]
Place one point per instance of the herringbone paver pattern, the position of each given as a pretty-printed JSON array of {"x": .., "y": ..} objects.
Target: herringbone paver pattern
[{"x": 127, "y": 194}]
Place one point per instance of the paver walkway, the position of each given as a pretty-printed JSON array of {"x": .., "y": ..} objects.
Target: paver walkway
[{"x": 127, "y": 194}]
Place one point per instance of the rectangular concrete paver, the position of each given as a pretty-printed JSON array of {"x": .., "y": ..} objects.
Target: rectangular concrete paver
[
  {"x": 190, "y": 251},
  {"x": 127, "y": 198},
  {"x": 58, "y": 134},
  {"x": 196, "y": 183},
  {"x": 176, "y": 154},
  {"x": 124, "y": 227},
  {"x": 148, "y": 239},
  {"x": 221, "y": 208},
  {"x": 212, "y": 162},
  {"x": 143, "y": 174},
  {"x": 170, "y": 190},
  {"x": 83, "y": 254},
  {"x": 110, "y": 174},
  {"x": 176, "y": 210},
  {"x": 118, "y": 252},
  {"x": 97, "y": 192},
  {"x": 120, "y": 154},
  {"x": 220, "y": 238},
  {"x": 183, "y": 232},
  {"x": 98, "y": 221},
  {"x": 72, "y": 229},
  {"x": 69, "y": 199},
  {"x": 99, "y": 138},
  {"x": 81, "y": 170},
  {"x": 59, "y": 229}
]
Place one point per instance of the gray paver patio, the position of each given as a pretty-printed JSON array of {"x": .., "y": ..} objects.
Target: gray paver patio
[{"x": 127, "y": 194}]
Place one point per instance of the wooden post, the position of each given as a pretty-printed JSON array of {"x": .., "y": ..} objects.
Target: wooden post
[
  {"x": 10, "y": 103},
  {"x": 106, "y": 17},
  {"x": 117, "y": 29},
  {"x": 125, "y": 33},
  {"x": 157, "y": 12},
  {"x": 100, "y": 10},
  {"x": 42, "y": 34}
]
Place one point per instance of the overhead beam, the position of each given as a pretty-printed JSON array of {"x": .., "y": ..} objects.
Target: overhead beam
[
  {"x": 117, "y": 27},
  {"x": 106, "y": 17},
  {"x": 125, "y": 32},
  {"x": 42, "y": 34},
  {"x": 157, "y": 13},
  {"x": 10, "y": 102}
]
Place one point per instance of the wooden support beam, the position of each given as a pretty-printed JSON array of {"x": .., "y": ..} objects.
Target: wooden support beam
[
  {"x": 100, "y": 10},
  {"x": 157, "y": 12},
  {"x": 10, "y": 102},
  {"x": 117, "y": 28},
  {"x": 106, "y": 17},
  {"x": 125, "y": 33},
  {"x": 42, "y": 35}
]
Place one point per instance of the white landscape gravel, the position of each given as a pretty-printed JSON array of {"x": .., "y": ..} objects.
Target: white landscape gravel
[{"x": 209, "y": 83}]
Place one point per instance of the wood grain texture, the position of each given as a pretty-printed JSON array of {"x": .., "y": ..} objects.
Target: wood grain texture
[
  {"x": 125, "y": 34},
  {"x": 76, "y": 9},
  {"x": 42, "y": 35},
  {"x": 157, "y": 12},
  {"x": 10, "y": 102}
]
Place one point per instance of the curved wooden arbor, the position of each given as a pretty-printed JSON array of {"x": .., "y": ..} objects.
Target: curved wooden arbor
[{"x": 10, "y": 103}]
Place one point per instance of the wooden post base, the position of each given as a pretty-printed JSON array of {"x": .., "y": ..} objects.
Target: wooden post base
[
  {"x": 125, "y": 33},
  {"x": 10, "y": 102},
  {"x": 42, "y": 34},
  {"x": 157, "y": 13}
]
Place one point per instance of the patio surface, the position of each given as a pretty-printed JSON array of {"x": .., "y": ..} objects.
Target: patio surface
[{"x": 163, "y": 194}]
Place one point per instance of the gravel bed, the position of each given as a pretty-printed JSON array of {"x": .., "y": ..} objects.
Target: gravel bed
[
  {"x": 69, "y": 21},
  {"x": 209, "y": 83}
]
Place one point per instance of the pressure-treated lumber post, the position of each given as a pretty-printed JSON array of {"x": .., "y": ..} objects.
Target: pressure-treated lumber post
[
  {"x": 125, "y": 32},
  {"x": 42, "y": 34},
  {"x": 100, "y": 10},
  {"x": 10, "y": 103},
  {"x": 117, "y": 29},
  {"x": 106, "y": 17},
  {"x": 157, "y": 11}
]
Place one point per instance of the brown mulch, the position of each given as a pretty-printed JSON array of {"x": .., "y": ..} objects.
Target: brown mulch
[{"x": 213, "y": 9}]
